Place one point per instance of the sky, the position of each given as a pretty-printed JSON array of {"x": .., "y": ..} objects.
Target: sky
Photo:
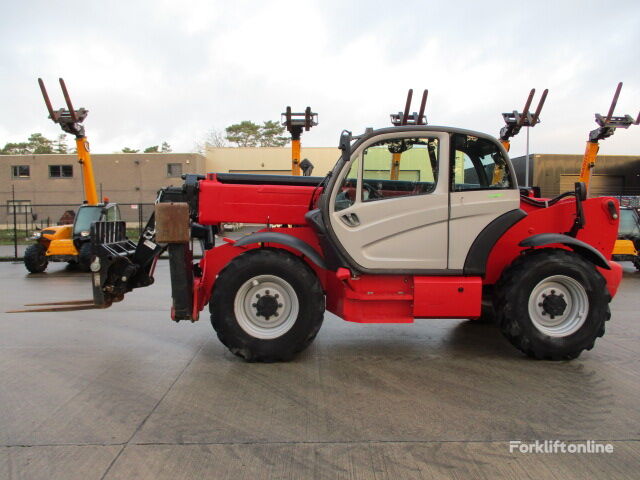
[{"x": 153, "y": 71}]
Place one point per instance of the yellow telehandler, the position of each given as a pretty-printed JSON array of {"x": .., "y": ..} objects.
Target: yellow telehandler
[{"x": 70, "y": 243}]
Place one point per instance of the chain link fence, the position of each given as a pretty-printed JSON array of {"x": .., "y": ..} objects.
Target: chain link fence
[{"x": 19, "y": 219}]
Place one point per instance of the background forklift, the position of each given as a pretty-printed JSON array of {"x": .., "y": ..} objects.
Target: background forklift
[
  {"x": 628, "y": 242},
  {"x": 70, "y": 243}
]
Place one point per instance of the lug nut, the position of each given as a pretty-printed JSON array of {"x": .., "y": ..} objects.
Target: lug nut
[
  {"x": 254, "y": 305},
  {"x": 553, "y": 292},
  {"x": 267, "y": 292},
  {"x": 279, "y": 305},
  {"x": 277, "y": 296},
  {"x": 257, "y": 295}
]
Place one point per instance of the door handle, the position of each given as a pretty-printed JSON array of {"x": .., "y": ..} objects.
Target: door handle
[{"x": 351, "y": 219}]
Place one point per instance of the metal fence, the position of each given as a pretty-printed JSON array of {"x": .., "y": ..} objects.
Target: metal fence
[{"x": 18, "y": 221}]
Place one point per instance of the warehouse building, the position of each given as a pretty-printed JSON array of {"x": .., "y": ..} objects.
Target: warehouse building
[
  {"x": 613, "y": 174},
  {"x": 29, "y": 182},
  {"x": 268, "y": 160}
]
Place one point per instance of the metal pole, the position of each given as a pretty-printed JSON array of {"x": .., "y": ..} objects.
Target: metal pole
[
  {"x": 15, "y": 223},
  {"x": 526, "y": 163}
]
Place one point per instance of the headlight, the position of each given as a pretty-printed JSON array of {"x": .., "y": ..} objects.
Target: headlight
[
  {"x": 36, "y": 235},
  {"x": 84, "y": 233}
]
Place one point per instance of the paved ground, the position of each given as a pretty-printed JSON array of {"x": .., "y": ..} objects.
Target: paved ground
[{"x": 125, "y": 393}]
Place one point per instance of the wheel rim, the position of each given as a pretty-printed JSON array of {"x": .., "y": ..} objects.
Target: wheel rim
[
  {"x": 558, "y": 306},
  {"x": 266, "y": 306}
]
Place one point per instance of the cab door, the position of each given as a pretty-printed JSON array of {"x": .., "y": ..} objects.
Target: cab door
[
  {"x": 483, "y": 188},
  {"x": 389, "y": 208}
]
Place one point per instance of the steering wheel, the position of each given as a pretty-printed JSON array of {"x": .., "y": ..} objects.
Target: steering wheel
[{"x": 373, "y": 192}]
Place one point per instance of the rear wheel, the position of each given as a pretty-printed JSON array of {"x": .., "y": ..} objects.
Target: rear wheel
[
  {"x": 552, "y": 304},
  {"x": 267, "y": 305},
  {"x": 35, "y": 258}
]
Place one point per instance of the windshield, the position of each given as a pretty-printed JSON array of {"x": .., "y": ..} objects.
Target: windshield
[
  {"x": 628, "y": 223},
  {"x": 85, "y": 217}
]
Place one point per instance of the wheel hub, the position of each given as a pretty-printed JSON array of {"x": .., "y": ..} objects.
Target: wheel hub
[
  {"x": 267, "y": 305},
  {"x": 554, "y": 304},
  {"x": 558, "y": 306}
]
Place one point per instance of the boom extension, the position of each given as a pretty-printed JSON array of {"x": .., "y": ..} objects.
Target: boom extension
[
  {"x": 404, "y": 118},
  {"x": 515, "y": 120},
  {"x": 296, "y": 123},
  {"x": 606, "y": 127},
  {"x": 70, "y": 120}
]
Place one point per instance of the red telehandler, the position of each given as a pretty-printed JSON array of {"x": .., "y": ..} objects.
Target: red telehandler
[{"x": 432, "y": 237}]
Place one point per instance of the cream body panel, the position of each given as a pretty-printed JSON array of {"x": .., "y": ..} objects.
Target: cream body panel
[
  {"x": 397, "y": 233},
  {"x": 471, "y": 212}
]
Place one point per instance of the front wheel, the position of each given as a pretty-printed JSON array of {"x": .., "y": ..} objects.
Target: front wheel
[
  {"x": 35, "y": 258},
  {"x": 552, "y": 304},
  {"x": 85, "y": 255},
  {"x": 267, "y": 305}
]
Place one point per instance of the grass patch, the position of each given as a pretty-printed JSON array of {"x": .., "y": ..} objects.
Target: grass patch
[{"x": 6, "y": 237}]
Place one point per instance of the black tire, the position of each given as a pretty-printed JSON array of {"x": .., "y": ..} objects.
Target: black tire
[
  {"x": 285, "y": 273},
  {"x": 85, "y": 255},
  {"x": 35, "y": 258},
  {"x": 487, "y": 316},
  {"x": 636, "y": 262},
  {"x": 525, "y": 282}
]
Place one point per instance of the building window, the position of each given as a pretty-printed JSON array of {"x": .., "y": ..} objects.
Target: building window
[
  {"x": 18, "y": 206},
  {"x": 174, "y": 169},
  {"x": 20, "y": 171},
  {"x": 60, "y": 171}
]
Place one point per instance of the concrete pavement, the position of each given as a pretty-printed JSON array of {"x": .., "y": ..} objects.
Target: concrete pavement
[{"x": 125, "y": 393}]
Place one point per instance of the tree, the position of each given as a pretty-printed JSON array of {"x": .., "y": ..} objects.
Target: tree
[
  {"x": 129, "y": 150},
  {"x": 15, "y": 149},
  {"x": 244, "y": 134},
  {"x": 35, "y": 144},
  {"x": 216, "y": 138},
  {"x": 271, "y": 134},
  {"x": 153, "y": 149},
  {"x": 60, "y": 144},
  {"x": 165, "y": 148},
  {"x": 213, "y": 138},
  {"x": 38, "y": 143},
  {"x": 248, "y": 134}
]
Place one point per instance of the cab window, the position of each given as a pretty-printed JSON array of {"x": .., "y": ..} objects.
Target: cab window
[
  {"x": 112, "y": 214},
  {"x": 478, "y": 164},
  {"x": 347, "y": 193},
  {"x": 399, "y": 168}
]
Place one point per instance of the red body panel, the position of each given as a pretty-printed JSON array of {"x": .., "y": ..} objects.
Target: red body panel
[
  {"x": 267, "y": 204},
  {"x": 452, "y": 297},
  {"x": 371, "y": 298},
  {"x": 600, "y": 232},
  {"x": 215, "y": 259},
  {"x": 386, "y": 298}
]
